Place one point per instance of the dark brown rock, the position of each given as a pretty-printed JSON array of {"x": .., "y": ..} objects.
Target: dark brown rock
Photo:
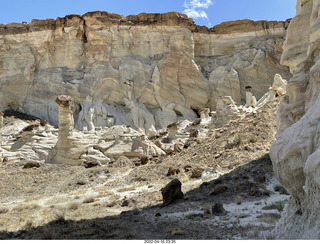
[
  {"x": 32, "y": 126},
  {"x": 125, "y": 202},
  {"x": 81, "y": 182},
  {"x": 43, "y": 122},
  {"x": 31, "y": 165},
  {"x": 168, "y": 151},
  {"x": 171, "y": 192},
  {"x": 194, "y": 133},
  {"x": 196, "y": 122},
  {"x": 91, "y": 164},
  {"x": 218, "y": 210},
  {"x": 255, "y": 191},
  {"x": 196, "y": 172},
  {"x": 172, "y": 171},
  {"x": 144, "y": 159},
  {"x": 187, "y": 168}
]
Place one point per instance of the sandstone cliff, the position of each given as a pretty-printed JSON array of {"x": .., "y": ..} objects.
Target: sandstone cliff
[
  {"x": 295, "y": 154},
  {"x": 145, "y": 70}
]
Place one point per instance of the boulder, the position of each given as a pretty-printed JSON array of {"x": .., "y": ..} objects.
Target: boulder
[
  {"x": 91, "y": 164},
  {"x": 194, "y": 133},
  {"x": 196, "y": 172},
  {"x": 218, "y": 210},
  {"x": 171, "y": 192},
  {"x": 31, "y": 165}
]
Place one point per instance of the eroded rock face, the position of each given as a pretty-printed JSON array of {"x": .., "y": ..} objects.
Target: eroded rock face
[
  {"x": 47, "y": 144},
  {"x": 238, "y": 54},
  {"x": 162, "y": 66},
  {"x": 295, "y": 154}
]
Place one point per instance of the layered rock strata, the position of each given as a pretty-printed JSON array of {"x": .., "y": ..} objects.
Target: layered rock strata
[
  {"x": 47, "y": 144},
  {"x": 240, "y": 53},
  {"x": 62, "y": 152},
  {"x": 295, "y": 154},
  {"x": 146, "y": 71}
]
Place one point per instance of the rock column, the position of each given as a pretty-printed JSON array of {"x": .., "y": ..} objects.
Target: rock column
[
  {"x": 173, "y": 130},
  {"x": 65, "y": 129},
  {"x": 250, "y": 99},
  {"x": 1, "y": 120},
  {"x": 204, "y": 113},
  {"x": 65, "y": 115}
]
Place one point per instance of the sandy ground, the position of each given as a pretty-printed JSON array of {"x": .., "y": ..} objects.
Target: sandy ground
[{"x": 108, "y": 202}]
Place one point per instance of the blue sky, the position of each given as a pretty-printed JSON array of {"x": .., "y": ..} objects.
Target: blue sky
[{"x": 204, "y": 12}]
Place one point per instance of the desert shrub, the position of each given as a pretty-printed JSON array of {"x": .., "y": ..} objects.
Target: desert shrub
[
  {"x": 29, "y": 224},
  {"x": 110, "y": 203},
  {"x": 60, "y": 216},
  {"x": 206, "y": 208},
  {"x": 239, "y": 138},
  {"x": 238, "y": 200},
  {"x": 74, "y": 205},
  {"x": 4, "y": 210},
  {"x": 81, "y": 182},
  {"x": 252, "y": 138},
  {"x": 88, "y": 199},
  {"x": 277, "y": 187},
  {"x": 266, "y": 192},
  {"x": 279, "y": 206}
]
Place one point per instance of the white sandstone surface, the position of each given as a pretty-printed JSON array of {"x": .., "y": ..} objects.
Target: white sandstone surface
[
  {"x": 146, "y": 70},
  {"x": 295, "y": 153}
]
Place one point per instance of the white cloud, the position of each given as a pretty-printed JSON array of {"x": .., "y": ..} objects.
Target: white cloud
[
  {"x": 193, "y": 4},
  {"x": 192, "y": 13},
  {"x": 194, "y": 8}
]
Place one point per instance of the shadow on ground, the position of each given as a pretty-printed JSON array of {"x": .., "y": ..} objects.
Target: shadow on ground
[{"x": 184, "y": 219}]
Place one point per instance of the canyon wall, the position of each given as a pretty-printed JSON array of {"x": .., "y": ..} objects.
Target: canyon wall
[
  {"x": 295, "y": 154},
  {"x": 145, "y": 70}
]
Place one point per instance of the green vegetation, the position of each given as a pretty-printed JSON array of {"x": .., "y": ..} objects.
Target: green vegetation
[
  {"x": 253, "y": 138},
  {"x": 239, "y": 138}
]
